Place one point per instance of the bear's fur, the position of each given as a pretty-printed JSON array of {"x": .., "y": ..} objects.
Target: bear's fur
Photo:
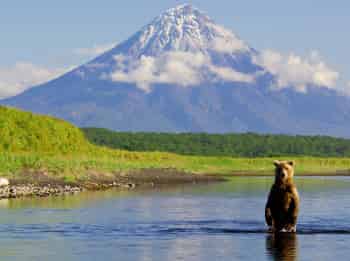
[{"x": 282, "y": 207}]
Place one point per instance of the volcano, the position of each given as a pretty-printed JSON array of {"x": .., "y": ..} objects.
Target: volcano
[{"x": 184, "y": 73}]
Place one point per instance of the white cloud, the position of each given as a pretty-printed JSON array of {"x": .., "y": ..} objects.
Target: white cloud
[
  {"x": 180, "y": 68},
  {"x": 94, "y": 50},
  {"x": 24, "y": 75},
  {"x": 296, "y": 71},
  {"x": 229, "y": 75}
]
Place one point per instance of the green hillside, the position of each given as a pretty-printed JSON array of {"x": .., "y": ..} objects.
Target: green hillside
[
  {"x": 32, "y": 144},
  {"x": 232, "y": 145},
  {"x": 24, "y": 131}
]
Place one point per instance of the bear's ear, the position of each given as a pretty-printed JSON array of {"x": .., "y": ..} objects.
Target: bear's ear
[
  {"x": 291, "y": 163},
  {"x": 276, "y": 163}
]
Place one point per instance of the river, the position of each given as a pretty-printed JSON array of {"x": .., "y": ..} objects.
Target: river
[{"x": 218, "y": 221}]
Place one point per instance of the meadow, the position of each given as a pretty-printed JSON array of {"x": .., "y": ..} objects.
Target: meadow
[
  {"x": 75, "y": 166},
  {"x": 33, "y": 143}
]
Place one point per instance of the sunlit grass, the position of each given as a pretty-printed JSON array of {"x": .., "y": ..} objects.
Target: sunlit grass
[
  {"x": 108, "y": 160},
  {"x": 31, "y": 143}
]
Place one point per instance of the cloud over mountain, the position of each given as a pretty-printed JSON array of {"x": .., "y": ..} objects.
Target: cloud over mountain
[
  {"x": 297, "y": 72},
  {"x": 174, "y": 67},
  {"x": 24, "y": 75},
  {"x": 195, "y": 76}
]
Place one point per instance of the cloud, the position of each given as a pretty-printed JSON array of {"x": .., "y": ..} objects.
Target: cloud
[
  {"x": 180, "y": 68},
  {"x": 24, "y": 75},
  {"x": 229, "y": 75},
  {"x": 94, "y": 50},
  {"x": 296, "y": 71}
]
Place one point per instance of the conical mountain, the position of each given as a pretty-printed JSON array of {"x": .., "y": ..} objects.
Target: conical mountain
[{"x": 182, "y": 72}]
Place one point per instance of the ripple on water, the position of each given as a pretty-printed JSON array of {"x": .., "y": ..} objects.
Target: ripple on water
[{"x": 158, "y": 229}]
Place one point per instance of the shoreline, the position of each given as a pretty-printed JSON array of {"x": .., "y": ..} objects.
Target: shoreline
[
  {"x": 336, "y": 173},
  {"x": 40, "y": 184}
]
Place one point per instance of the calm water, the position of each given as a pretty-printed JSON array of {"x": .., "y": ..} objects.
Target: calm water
[{"x": 223, "y": 221}]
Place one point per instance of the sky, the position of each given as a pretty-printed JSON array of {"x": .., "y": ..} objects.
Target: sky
[{"x": 41, "y": 39}]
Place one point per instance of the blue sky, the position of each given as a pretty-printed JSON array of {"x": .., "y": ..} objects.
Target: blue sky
[{"x": 59, "y": 34}]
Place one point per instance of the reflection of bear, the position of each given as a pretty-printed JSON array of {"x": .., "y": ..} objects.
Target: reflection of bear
[
  {"x": 282, "y": 206},
  {"x": 282, "y": 246}
]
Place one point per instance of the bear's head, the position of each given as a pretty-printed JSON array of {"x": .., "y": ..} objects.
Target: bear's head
[{"x": 284, "y": 171}]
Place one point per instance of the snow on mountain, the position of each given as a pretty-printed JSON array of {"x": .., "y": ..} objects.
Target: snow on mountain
[
  {"x": 182, "y": 46},
  {"x": 185, "y": 28},
  {"x": 184, "y": 73}
]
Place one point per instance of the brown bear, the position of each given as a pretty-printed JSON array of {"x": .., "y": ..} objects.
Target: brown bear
[{"x": 282, "y": 207}]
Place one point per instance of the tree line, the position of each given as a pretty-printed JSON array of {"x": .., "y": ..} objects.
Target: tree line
[{"x": 235, "y": 145}]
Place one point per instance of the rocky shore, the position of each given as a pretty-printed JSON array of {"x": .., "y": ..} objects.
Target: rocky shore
[
  {"x": 34, "y": 190},
  {"x": 43, "y": 186},
  {"x": 31, "y": 190}
]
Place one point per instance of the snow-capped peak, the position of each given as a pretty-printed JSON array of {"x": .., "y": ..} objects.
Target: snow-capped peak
[
  {"x": 183, "y": 47},
  {"x": 185, "y": 28},
  {"x": 183, "y": 9}
]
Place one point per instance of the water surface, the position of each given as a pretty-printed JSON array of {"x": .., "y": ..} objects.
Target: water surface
[{"x": 221, "y": 221}]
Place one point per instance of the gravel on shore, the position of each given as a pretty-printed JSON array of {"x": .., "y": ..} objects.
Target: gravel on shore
[{"x": 44, "y": 186}]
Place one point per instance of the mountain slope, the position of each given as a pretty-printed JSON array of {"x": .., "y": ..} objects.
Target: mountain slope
[{"x": 184, "y": 73}]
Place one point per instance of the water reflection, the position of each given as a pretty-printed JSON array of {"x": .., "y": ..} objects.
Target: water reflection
[
  {"x": 282, "y": 246},
  {"x": 221, "y": 221}
]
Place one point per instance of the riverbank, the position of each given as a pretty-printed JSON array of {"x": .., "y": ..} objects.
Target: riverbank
[
  {"x": 335, "y": 173},
  {"x": 45, "y": 174},
  {"x": 40, "y": 184},
  {"x": 78, "y": 166}
]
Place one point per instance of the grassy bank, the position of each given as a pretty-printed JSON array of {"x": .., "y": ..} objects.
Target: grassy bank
[
  {"x": 33, "y": 143},
  {"x": 76, "y": 166}
]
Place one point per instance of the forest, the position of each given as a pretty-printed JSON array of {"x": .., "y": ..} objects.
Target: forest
[{"x": 233, "y": 145}]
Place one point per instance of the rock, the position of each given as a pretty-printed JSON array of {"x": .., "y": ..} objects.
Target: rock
[
  {"x": 18, "y": 191},
  {"x": 130, "y": 185},
  {"x": 4, "y": 182}
]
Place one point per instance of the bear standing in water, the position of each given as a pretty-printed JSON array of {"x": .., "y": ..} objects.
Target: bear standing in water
[{"x": 282, "y": 206}]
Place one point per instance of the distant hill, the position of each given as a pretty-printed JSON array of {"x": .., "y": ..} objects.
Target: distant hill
[
  {"x": 236, "y": 145},
  {"x": 24, "y": 131}
]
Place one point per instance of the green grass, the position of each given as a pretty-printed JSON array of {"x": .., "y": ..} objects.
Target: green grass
[
  {"x": 71, "y": 167},
  {"x": 24, "y": 131},
  {"x": 33, "y": 143}
]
